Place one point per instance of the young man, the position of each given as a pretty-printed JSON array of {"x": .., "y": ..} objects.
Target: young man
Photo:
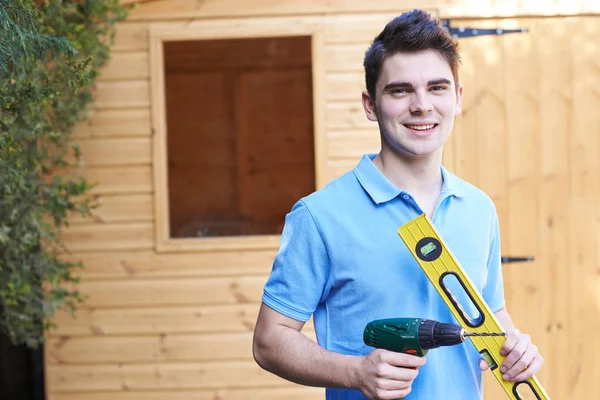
[{"x": 342, "y": 261}]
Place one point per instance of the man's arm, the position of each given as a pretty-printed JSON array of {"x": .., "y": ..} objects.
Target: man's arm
[
  {"x": 523, "y": 359},
  {"x": 279, "y": 347}
]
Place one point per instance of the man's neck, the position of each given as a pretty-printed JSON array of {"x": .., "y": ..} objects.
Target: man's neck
[{"x": 417, "y": 176}]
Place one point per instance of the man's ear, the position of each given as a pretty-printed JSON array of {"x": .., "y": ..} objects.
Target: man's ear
[
  {"x": 369, "y": 106},
  {"x": 459, "y": 97}
]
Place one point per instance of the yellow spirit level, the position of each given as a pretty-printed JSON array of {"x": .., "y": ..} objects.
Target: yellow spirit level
[{"x": 438, "y": 264}]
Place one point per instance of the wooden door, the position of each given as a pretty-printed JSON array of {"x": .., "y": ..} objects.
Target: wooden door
[{"x": 530, "y": 137}]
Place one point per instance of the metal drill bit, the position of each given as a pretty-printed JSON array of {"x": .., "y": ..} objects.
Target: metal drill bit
[{"x": 464, "y": 334}]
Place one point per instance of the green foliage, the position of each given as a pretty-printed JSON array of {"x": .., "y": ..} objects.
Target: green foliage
[{"x": 49, "y": 56}]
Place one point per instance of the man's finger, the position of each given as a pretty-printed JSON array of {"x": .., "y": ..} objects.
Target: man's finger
[
  {"x": 512, "y": 337},
  {"x": 398, "y": 374},
  {"x": 403, "y": 360},
  {"x": 516, "y": 353},
  {"x": 534, "y": 367},
  {"x": 522, "y": 363},
  {"x": 393, "y": 394}
]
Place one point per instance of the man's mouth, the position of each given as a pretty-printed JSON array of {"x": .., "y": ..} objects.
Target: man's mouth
[{"x": 420, "y": 127}]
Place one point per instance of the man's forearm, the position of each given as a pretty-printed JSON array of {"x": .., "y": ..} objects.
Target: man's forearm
[
  {"x": 292, "y": 356},
  {"x": 504, "y": 319}
]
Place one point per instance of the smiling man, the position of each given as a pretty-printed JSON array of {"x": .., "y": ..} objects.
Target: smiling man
[{"x": 342, "y": 262}]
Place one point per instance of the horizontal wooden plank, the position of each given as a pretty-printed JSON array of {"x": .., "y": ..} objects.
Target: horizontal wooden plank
[
  {"x": 133, "y": 321},
  {"x": 125, "y": 66},
  {"x": 357, "y": 28},
  {"x": 292, "y": 393},
  {"x": 238, "y": 28},
  {"x": 337, "y": 168},
  {"x": 174, "y": 291},
  {"x": 108, "y": 237},
  {"x": 116, "y": 151},
  {"x": 145, "y": 264},
  {"x": 181, "y": 9},
  {"x": 353, "y": 144},
  {"x": 344, "y": 86},
  {"x": 269, "y": 393},
  {"x": 156, "y": 348},
  {"x": 143, "y": 349},
  {"x": 70, "y": 378},
  {"x": 119, "y": 208},
  {"x": 122, "y": 123},
  {"x": 344, "y": 57},
  {"x": 130, "y": 36},
  {"x": 126, "y": 94},
  {"x": 120, "y": 180},
  {"x": 518, "y": 8},
  {"x": 159, "y": 320},
  {"x": 347, "y": 115}
]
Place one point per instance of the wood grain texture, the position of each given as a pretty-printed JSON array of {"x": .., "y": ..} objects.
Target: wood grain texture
[
  {"x": 182, "y": 9},
  {"x": 115, "y": 123},
  {"x": 119, "y": 180},
  {"x": 178, "y": 324},
  {"x": 153, "y": 348},
  {"x": 118, "y": 209},
  {"x": 269, "y": 393},
  {"x": 149, "y": 264},
  {"x": 160, "y": 376}
]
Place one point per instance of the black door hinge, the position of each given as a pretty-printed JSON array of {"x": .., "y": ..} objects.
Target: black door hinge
[
  {"x": 471, "y": 32},
  {"x": 505, "y": 259}
]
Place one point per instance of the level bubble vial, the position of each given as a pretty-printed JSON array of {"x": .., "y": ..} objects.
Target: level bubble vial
[{"x": 428, "y": 249}]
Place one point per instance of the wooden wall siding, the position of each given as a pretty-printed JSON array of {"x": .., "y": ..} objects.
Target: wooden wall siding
[
  {"x": 153, "y": 321},
  {"x": 271, "y": 393},
  {"x": 530, "y": 138},
  {"x": 178, "y": 325},
  {"x": 175, "y": 9}
]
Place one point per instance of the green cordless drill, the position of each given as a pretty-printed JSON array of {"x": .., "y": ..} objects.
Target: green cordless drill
[{"x": 415, "y": 335}]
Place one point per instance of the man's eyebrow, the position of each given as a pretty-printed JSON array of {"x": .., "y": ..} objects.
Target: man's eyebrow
[
  {"x": 441, "y": 81},
  {"x": 397, "y": 85},
  {"x": 408, "y": 85}
]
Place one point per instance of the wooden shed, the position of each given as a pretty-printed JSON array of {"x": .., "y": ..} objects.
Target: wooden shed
[{"x": 213, "y": 117}]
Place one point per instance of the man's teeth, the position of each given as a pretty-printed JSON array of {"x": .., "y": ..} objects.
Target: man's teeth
[{"x": 420, "y": 127}]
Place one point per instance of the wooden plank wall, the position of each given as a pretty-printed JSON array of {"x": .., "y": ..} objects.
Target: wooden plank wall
[
  {"x": 530, "y": 137},
  {"x": 179, "y": 325}
]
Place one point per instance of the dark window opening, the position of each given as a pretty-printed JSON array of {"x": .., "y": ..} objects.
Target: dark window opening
[{"x": 240, "y": 142}]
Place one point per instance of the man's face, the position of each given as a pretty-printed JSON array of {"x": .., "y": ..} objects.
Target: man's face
[{"x": 416, "y": 102}]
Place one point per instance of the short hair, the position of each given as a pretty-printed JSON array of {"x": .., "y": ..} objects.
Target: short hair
[{"x": 410, "y": 32}]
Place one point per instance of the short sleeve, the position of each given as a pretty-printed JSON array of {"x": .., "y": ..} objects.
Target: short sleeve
[
  {"x": 300, "y": 272},
  {"x": 493, "y": 291}
]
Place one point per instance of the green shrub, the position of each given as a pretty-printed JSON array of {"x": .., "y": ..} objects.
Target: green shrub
[{"x": 50, "y": 52}]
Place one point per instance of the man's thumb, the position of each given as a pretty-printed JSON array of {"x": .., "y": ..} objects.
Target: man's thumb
[{"x": 483, "y": 364}]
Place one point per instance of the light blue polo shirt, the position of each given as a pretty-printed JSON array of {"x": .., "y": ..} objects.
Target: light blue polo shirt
[{"x": 341, "y": 260}]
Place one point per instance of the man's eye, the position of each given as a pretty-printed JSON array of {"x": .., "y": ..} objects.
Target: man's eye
[
  {"x": 438, "y": 88},
  {"x": 399, "y": 91}
]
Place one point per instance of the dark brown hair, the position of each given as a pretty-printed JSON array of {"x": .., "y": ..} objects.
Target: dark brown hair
[{"x": 412, "y": 31}]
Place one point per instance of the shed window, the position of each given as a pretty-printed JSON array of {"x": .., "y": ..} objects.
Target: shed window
[{"x": 240, "y": 142}]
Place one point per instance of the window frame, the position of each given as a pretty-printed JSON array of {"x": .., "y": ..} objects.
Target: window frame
[{"x": 225, "y": 29}]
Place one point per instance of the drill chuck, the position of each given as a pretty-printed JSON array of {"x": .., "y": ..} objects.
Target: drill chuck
[{"x": 434, "y": 334}]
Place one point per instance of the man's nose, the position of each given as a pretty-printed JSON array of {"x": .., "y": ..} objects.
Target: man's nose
[{"x": 420, "y": 103}]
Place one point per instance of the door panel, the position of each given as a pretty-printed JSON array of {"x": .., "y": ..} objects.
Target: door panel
[{"x": 530, "y": 137}]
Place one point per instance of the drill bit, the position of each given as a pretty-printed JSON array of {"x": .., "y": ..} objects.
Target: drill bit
[{"x": 464, "y": 334}]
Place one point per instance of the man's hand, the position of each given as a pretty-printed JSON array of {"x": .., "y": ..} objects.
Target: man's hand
[
  {"x": 385, "y": 375},
  {"x": 523, "y": 359}
]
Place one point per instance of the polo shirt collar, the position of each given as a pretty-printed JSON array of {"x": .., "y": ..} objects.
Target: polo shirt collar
[{"x": 381, "y": 190}]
